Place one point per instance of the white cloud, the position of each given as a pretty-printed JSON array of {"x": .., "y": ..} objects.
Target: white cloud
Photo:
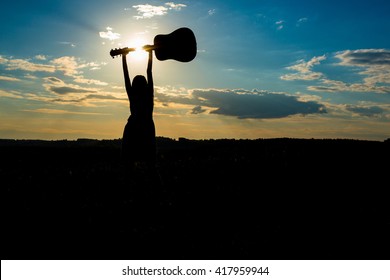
[
  {"x": 364, "y": 57},
  {"x": 70, "y": 66},
  {"x": 304, "y": 70},
  {"x": 279, "y": 24},
  {"x": 176, "y": 7},
  {"x": 340, "y": 86},
  {"x": 82, "y": 80},
  {"x": 149, "y": 11},
  {"x": 9, "y": 79},
  {"x": 67, "y": 64},
  {"x": 301, "y": 21},
  {"x": 3, "y": 60},
  {"x": 68, "y": 43},
  {"x": 299, "y": 76},
  {"x": 305, "y": 67},
  {"x": 11, "y": 94},
  {"x": 94, "y": 65},
  {"x": 40, "y": 57},
  {"x": 26, "y": 65},
  {"x": 109, "y": 34},
  {"x": 374, "y": 66},
  {"x": 31, "y": 77},
  {"x": 211, "y": 12}
]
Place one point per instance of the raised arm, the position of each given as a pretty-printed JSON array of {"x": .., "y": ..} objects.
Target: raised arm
[
  {"x": 126, "y": 74},
  {"x": 149, "y": 69}
]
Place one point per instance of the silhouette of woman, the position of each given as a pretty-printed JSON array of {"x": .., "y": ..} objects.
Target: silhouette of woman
[{"x": 139, "y": 135}]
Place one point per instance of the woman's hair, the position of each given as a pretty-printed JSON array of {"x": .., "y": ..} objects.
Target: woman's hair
[{"x": 139, "y": 82}]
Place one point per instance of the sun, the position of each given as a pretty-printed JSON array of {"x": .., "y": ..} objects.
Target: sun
[{"x": 139, "y": 53}]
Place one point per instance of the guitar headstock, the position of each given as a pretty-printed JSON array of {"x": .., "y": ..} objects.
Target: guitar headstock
[{"x": 120, "y": 51}]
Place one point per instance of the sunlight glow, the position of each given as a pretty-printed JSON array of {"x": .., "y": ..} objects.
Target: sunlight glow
[{"x": 139, "y": 53}]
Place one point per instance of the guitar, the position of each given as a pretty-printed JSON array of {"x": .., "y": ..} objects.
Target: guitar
[{"x": 179, "y": 45}]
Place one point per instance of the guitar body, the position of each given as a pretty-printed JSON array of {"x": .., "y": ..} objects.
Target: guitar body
[{"x": 179, "y": 45}]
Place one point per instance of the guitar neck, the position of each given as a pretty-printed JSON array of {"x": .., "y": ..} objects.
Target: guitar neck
[{"x": 121, "y": 51}]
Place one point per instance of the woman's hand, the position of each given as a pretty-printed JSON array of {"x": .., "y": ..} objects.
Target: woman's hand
[{"x": 148, "y": 48}]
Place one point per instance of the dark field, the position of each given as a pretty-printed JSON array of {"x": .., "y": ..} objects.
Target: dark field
[{"x": 221, "y": 199}]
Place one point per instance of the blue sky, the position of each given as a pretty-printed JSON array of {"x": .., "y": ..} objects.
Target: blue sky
[{"x": 264, "y": 69}]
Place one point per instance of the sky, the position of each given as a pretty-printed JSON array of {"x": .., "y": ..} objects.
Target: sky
[{"x": 263, "y": 68}]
